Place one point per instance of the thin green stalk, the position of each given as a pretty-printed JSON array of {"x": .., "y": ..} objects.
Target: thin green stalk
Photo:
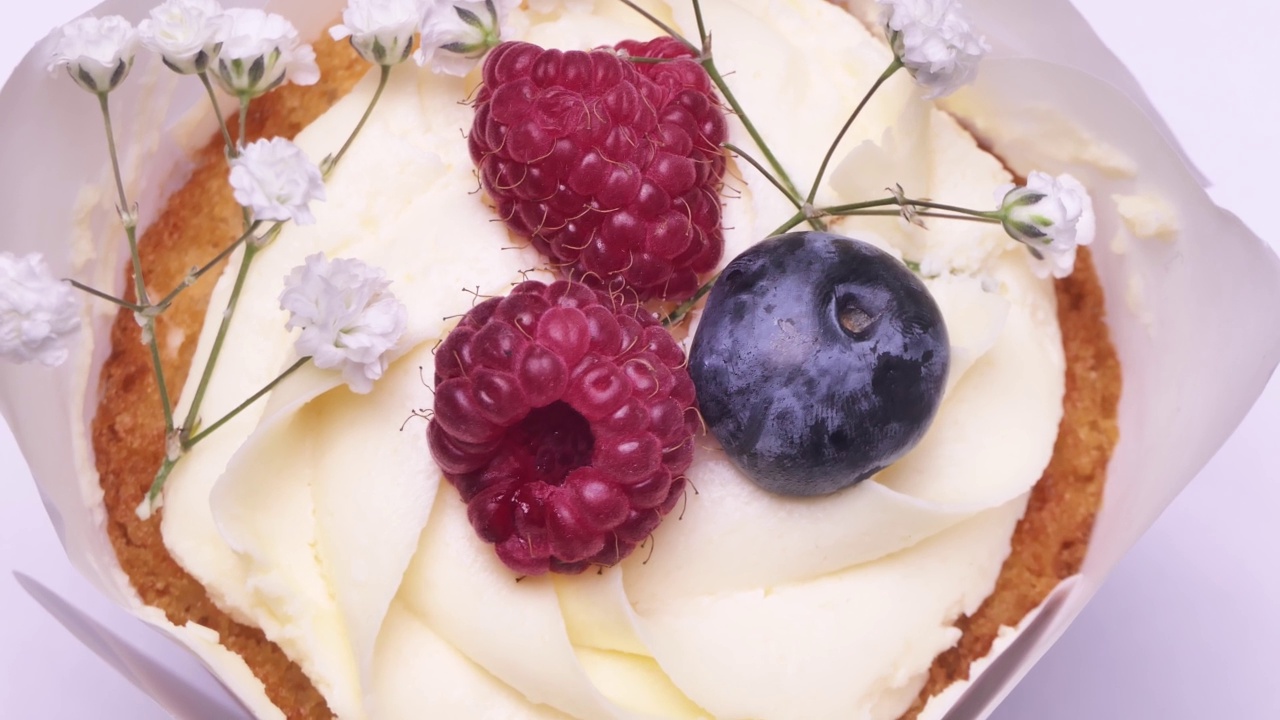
[
  {"x": 945, "y": 216},
  {"x": 191, "y": 441},
  {"x": 793, "y": 221},
  {"x": 709, "y": 64},
  {"x": 681, "y": 310},
  {"x": 244, "y": 120},
  {"x": 661, "y": 25},
  {"x": 105, "y": 296},
  {"x": 250, "y": 249},
  {"x": 826, "y": 160},
  {"x": 842, "y": 209},
  {"x": 126, "y": 213},
  {"x": 702, "y": 26},
  {"x": 200, "y": 271},
  {"x": 750, "y": 127},
  {"x": 765, "y": 172},
  {"x": 244, "y": 133},
  {"x": 852, "y": 207},
  {"x": 130, "y": 220},
  {"x": 158, "y": 483},
  {"x": 217, "y": 111},
  {"x": 382, "y": 84},
  {"x": 685, "y": 307}
]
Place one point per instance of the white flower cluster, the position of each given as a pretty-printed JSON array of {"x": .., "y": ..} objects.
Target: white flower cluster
[
  {"x": 349, "y": 320},
  {"x": 187, "y": 34},
  {"x": 261, "y": 51},
  {"x": 934, "y": 42},
  {"x": 37, "y": 311},
  {"x": 275, "y": 181},
  {"x": 97, "y": 52},
  {"x": 1052, "y": 217},
  {"x": 249, "y": 51},
  {"x": 381, "y": 30},
  {"x": 456, "y": 34}
]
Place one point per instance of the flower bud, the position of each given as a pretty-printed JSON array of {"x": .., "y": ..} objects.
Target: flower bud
[
  {"x": 97, "y": 52},
  {"x": 1051, "y": 216}
]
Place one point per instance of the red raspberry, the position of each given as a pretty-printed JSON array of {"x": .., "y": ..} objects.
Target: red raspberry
[
  {"x": 565, "y": 422},
  {"x": 612, "y": 168}
]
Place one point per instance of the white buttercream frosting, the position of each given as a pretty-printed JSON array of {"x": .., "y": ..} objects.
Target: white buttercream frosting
[{"x": 317, "y": 517}]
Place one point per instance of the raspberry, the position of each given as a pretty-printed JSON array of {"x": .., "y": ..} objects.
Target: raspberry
[
  {"x": 611, "y": 168},
  {"x": 565, "y": 421}
]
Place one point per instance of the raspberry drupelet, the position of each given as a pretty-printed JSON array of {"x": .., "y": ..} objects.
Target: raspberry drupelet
[
  {"x": 565, "y": 418},
  {"x": 611, "y": 168}
]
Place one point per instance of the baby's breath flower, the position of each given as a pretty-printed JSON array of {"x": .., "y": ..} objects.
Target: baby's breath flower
[
  {"x": 276, "y": 181},
  {"x": 37, "y": 311},
  {"x": 349, "y": 320},
  {"x": 261, "y": 50},
  {"x": 381, "y": 30},
  {"x": 97, "y": 52},
  {"x": 457, "y": 33},
  {"x": 187, "y": 34},
  {"x": 1051, "y": 216},
  {"x": 934, "y": 42}
]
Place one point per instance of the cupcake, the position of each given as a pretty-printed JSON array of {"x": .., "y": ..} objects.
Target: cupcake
[{"x": 325, "y": 557}]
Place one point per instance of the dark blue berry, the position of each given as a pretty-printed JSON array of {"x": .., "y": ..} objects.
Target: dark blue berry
[{"x": 819, "y": 361}]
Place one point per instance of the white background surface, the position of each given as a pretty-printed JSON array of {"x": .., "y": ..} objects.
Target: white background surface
[{"x": 1185, "y": 629}]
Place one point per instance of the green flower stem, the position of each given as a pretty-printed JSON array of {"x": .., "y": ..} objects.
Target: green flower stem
[
  {"x": 779, "y": 171},
  {"x": 332, "y": 163},
  {"x": 105, "y": 296},
  {"x": 130, "y": 220},
  {"x": 709, "y": 64},
  {"x": 702, "y": 26},
  {"x": 126, "y": 213},
  {"x": 193, "y": 414},
  {"x": 661, "y": 25},
  {"x": 217, "y": 111},
  {"x": 793, "y": 221},
  {"x": 826, "y": 160},
  {"x": 853, "y": 208},
  {"x": 972, "y": 217},
  {"x": 190, "y": 442},
  {"x": 244, "y": 120},
  {"x": 765, "y": 172},
  {"x": 158, "y": 483},
  {"x": 683, "y": 309},
  {"x": 200, "y": 271},
  {"x": 244, "y": 134}
]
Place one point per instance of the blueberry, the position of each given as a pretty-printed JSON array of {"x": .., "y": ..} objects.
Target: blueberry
[{"x": 819, "y": 361}]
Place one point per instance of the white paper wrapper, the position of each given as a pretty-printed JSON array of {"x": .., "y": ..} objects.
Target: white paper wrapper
[{"x": 1190, "y": 314}]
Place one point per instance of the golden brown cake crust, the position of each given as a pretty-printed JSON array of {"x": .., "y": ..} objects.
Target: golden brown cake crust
[{"x": 202, "y": 218}]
